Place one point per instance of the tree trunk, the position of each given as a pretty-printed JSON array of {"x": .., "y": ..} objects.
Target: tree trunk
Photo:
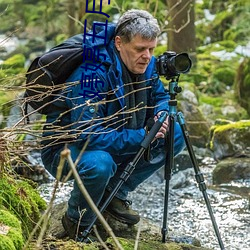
[
  {"x": 71, "y": 6},
  {"x": 82, "y": 9},
  {"x": 181, "y": 27}
]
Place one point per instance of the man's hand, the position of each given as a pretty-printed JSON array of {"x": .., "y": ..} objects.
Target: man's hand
[{"x": 164, "y": 128}]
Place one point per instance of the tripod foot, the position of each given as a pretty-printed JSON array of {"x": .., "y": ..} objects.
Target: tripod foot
[{"x": 164, "y": 232}]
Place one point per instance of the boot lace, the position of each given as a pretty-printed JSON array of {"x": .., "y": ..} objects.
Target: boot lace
[{"x": 127, "y": 203}]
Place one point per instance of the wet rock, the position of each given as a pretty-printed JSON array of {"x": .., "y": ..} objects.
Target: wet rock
[
  {"x": 231, "y": 169},
  {"x": 31, "y": 167},
  {"x": 181, "y": 179},
  {"x": 197, "y": 125}
]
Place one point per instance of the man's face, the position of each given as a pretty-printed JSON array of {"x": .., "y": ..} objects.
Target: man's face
[{"x": 137, "y": 53}]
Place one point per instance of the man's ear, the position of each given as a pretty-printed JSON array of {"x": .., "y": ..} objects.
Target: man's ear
[{"x": 118, "y": 42}]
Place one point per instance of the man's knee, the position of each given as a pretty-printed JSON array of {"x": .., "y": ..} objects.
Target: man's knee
[{"x": 97, "y": 165}]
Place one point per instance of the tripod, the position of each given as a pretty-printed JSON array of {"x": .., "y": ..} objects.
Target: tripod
[
  {"x": 169, "y": 163},
  {"x": 173, "y": 90}
]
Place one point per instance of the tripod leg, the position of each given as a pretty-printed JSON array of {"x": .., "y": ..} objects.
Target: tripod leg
[
  {"x": 129, "y": 168},
  {"x": 168, "y": 173},
  {"x": 199, "y": 177}
]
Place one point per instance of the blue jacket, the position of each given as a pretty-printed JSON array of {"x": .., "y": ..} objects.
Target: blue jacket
[{"x": 100, "y": 119}]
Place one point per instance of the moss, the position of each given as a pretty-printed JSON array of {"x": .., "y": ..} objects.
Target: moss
[
  {"x": 8, "y": 219},
  {"x": 13, "y": 239},
  {"x": 6, "y": 96},
  {"x": 6, "y": 243},
  {"x": 60, "y": 38},
  {"x": 212, "y": 100},
  {"x": 236, "y": 125},
  {"x": 220, "y": 24},
  {"x": 16, "y": 237},
  {"x": 225, "y": 75},
  {"x": 219, "y": 102},
  {"x": 160, "y": 50},
  {"x": 128, "y": 244},
  {"x": 13, "y": 71},
  {"x": 22, "y": 200},
  {"x": 16, "y": 61},
  {"x": 242, "y": 84},
  {"x": 228, "y": 45}
]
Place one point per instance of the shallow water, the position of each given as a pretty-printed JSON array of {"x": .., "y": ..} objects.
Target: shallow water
[{"x": 187, "y": 212}]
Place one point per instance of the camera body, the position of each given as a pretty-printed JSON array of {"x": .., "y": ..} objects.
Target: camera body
[{"x": 171, "y": 65}]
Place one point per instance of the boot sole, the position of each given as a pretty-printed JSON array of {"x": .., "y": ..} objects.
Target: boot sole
[{"x": 121, "y": 219}]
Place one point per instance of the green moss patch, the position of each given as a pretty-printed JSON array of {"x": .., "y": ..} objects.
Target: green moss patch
[
  {"x": 128, "y": 244},
  {"x": 10, "y": 231},
  {"x": 22, "y": 200}
]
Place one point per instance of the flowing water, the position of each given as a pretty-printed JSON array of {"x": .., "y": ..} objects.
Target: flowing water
[{"x": 187, "y": 212}]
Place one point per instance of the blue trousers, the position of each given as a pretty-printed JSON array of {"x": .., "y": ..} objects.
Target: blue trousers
[{"x": 100, "y": 170}]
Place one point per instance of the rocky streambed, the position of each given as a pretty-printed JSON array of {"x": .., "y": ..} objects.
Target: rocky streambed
[{"x": 188, "y": 215}]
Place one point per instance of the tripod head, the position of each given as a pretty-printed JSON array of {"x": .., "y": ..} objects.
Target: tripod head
[{"x": 174, "y": 89}]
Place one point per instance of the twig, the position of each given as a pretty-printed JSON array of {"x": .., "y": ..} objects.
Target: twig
[
  {"x": 99, "y": 238},
  {"x": 77, "y": 21},
  {"x": 137, "y": 236},
  {"x": 66, "y": 154}
]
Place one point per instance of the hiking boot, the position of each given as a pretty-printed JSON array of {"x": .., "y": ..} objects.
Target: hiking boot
[
  {"x": 121, "y": 211},
  {"x": 75, "y": 231}
]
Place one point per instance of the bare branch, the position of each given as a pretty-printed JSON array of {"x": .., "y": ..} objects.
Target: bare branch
[{"x": 66, "y": 154}]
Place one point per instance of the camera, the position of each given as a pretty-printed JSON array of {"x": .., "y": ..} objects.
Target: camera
[{"x": 171, "y": 65}]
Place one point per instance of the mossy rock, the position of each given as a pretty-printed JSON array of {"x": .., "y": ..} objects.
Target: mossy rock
[
  {"x": 232, "y": 139},
  {"x": 21, "y": 199},
  {"x": 220, "y": 24},
  {"x": 150, "y": 235},
  {"x": 219, "y": 107},
  {"x": 10, "y": 231},
  {"x": 128, "y": 244},
  {"x": 225, "y": 75}
]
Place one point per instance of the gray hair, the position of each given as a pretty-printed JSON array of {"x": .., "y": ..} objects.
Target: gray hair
[{"x": 137, "y": 22}]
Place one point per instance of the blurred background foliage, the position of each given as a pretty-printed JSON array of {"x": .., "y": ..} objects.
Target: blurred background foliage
[{"x": 215, "y": 34}]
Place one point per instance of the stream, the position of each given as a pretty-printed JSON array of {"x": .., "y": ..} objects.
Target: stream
[{"x": 187, "y": 212}]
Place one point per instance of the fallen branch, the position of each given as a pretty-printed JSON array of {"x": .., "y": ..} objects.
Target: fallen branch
[{"x": 67, "y": 155}]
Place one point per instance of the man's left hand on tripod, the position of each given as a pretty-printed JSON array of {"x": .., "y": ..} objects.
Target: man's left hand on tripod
[{"x": 164, "y": 128}]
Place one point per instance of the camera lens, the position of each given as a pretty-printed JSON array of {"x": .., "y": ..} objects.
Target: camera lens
[{"x": 182, "y": 63}]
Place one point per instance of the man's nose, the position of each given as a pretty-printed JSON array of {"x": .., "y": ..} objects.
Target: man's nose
[{"x": 146, "y": 54}]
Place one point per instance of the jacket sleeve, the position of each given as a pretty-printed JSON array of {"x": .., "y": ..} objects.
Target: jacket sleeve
[{"x": 88, "y": 121}]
